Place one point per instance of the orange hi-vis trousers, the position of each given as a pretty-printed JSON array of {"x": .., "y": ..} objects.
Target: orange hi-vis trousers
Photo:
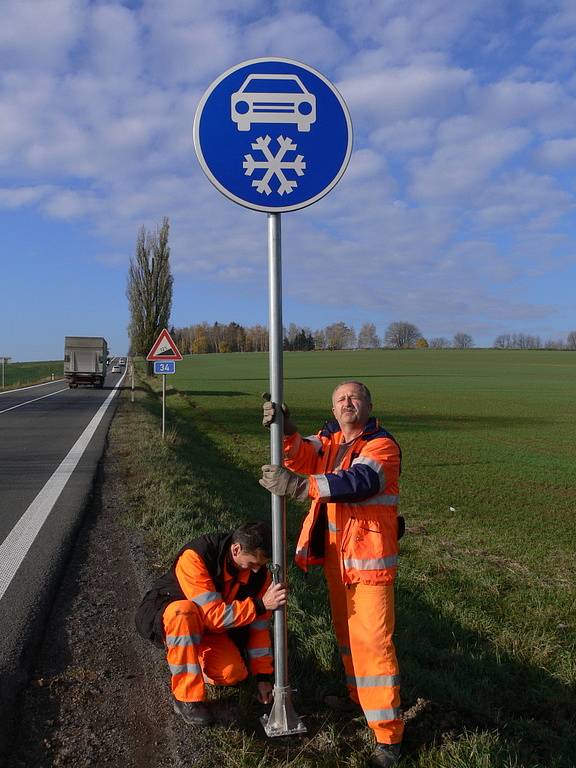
[
  {"x": 195, "y": 656},
  {"x": 363, "y": 617}
]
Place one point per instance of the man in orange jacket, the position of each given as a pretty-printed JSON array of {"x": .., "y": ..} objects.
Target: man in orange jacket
[
  {"x": 210, "y": 612},
  {"x": 350, "y": 470}
]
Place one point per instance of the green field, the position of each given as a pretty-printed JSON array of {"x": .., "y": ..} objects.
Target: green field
[
  {"x": 22, "y": 374},
  {"x": 486, "y": 587}
]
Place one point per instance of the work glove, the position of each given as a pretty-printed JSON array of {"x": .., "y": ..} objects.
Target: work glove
[
  {"x": 282, "y": 482},
  {"x": 269, "y": 414}
]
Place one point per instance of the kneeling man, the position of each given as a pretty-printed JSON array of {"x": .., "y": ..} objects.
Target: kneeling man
[{"x": 211, "y": 612}]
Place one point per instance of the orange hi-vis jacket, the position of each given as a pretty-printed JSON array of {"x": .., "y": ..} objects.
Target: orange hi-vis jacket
[
  {"x": 229, "y": 599},
  {"x": 356, "y": 501}
]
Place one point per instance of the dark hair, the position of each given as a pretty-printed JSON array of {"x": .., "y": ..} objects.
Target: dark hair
[
  {"x": 363, "y": 387},
  {"x": 254, "y": 537}
]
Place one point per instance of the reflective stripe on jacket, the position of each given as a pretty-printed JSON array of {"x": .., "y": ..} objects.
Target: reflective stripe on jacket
[
  {"x": 358, "y": 499},
  {"x": 223, "y": 611},
  {"x": 202, "y": 573}
]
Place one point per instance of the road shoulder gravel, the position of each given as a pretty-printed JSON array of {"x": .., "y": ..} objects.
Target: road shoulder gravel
[{"x": 99, "y": 694}]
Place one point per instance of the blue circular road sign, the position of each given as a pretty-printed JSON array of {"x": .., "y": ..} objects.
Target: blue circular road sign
[{"x": 273, "y": 135}]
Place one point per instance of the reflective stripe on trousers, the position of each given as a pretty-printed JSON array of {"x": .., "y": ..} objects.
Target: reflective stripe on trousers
[
  {"x": 195, "y": 656},
  {"x": 363, "y": 618}
]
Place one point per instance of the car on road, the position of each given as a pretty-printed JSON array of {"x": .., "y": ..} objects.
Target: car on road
[
  {"x": 116, "y": 369},
  {"x": 273, "y": 99}
]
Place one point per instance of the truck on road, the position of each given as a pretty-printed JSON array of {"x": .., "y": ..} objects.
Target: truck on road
[{"x": 85, "y": 359}]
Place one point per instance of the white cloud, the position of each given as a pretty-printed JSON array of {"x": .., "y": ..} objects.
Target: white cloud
[
  {"x": 459, "y": 168},
  {"x": 559, "y": 153},
  {"x": 17, "y": 197},
  {"x": 404, "y": 92},
  {"x": 522, "y": 198},
  {"x": 301, "y": 36},
  {"x": 363, "y": 164},
  {"x": 70, "y": 204},
  {"x": 114, "y": 45},
  {"x": 39, "y": 34},
  {"x": 414, "y": 135},
  {"x": 405, "y": 27},
  {"x": 509, "y": 102},
  {"x": 563, "y": 22}
]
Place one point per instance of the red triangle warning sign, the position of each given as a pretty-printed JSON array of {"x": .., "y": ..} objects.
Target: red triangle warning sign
[{"x": 164, "y": 348}]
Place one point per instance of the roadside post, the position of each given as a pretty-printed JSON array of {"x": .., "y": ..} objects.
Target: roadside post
[
  {"x": 5, "y": 361},
  {"x": 274, "y": 135},
  {"x": 132, "y": 377},
  {"x": 163, "y": 354}
]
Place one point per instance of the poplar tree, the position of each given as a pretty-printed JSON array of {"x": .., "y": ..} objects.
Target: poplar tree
[{"x": 149, "y": 289}]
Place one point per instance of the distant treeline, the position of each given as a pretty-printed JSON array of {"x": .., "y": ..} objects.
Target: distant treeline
[{"x": 204, "y": 338}]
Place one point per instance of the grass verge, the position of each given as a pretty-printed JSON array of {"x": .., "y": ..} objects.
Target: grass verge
[
  {"x": 24, "y": 374},
  {"x": 485, "y": 636}
]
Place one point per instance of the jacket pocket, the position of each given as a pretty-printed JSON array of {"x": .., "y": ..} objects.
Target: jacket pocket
[{"x": 370, "y": 550}]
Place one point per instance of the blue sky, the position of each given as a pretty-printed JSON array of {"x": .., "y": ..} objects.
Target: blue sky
[{"x": 456, "y": 212}]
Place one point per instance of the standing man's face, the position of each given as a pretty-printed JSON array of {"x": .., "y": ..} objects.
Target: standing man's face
[{"x": 350, "y": 406}]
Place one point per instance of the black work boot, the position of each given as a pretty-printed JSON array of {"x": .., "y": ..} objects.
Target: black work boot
[
  {"x": 193, "y": 712},
  {"x": 385, "y": 755}
]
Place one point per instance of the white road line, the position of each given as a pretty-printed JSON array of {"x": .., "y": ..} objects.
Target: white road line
[
  {"x": 34, "y": 400},
  {"x": 44, "y": 384},
  {"x": 15, "y": 546}
]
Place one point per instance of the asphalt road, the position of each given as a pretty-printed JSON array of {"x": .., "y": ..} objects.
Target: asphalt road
[{"x": 51, "y": 440}]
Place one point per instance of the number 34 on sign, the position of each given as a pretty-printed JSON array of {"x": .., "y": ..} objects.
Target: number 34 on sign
[{"x": 164, "y": 366}]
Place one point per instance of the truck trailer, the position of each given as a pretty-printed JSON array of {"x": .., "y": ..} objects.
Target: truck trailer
[{"x": 85, "y": 359}]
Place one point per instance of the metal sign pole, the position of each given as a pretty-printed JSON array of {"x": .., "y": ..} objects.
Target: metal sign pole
[
  {"x": 5, "y": 361},
  {"x": 163, "y": 404},
  {"x": 282, "y": 720}
]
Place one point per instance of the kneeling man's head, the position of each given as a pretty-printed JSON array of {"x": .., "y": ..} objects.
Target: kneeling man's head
[{"x": 251, "y": 546}]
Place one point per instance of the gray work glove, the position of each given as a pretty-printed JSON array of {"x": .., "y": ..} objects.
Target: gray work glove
[
  {"x": 283, "y": 482},
  {"x": 269, "y": 414}
]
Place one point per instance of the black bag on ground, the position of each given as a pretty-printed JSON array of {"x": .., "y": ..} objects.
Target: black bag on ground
[{"x": 148, "y": 617}]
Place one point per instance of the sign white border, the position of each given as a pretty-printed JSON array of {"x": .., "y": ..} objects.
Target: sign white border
[
  {"x": 239, "y": 200},
  {"x": 152, "y": 357}
]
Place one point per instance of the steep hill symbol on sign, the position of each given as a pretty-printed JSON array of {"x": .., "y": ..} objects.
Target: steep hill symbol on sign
[{"x": 164, "y": 348}]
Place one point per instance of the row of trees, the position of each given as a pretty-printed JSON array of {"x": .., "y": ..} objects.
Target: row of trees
[
  {"x": 232, "y": 337},
  {"x": 218, "y": 337},
  {"x": 149, "y": 293},
  {"x": 526, "y": 341}
]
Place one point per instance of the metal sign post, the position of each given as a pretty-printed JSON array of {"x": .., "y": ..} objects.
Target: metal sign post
[
  {"x": 282, "y": 720},
  {"x": 164, "y": 354},
  {"x": 274, "y": 135},
  {"x": 163, "y": 405},
  {"x": 163, "y": 367},
  {"x": 5, "y": 360}
]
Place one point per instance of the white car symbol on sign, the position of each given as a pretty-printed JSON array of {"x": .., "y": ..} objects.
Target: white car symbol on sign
[{"x": 273, "y": 99}]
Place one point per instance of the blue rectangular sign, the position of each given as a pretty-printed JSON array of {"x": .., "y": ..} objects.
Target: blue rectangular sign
[{"x": 164, "y": 366}]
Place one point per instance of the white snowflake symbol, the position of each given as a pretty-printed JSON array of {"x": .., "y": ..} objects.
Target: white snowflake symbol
[{"x": 274, "y": 165}]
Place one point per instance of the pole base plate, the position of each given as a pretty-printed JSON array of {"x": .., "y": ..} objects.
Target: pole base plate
[{"x": 282, "y": 720}]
